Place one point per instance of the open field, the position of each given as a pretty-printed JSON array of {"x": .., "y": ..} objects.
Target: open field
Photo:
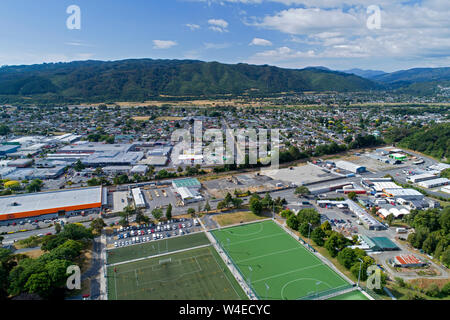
[
  {"x": 354, "y": 295},
  {"x": 226, "y": 219},
  {"x": 141, "y": 118},
  {"x": 276, "y": 265},
  {"x": 152, "y": 248},
  {"x": 197, "y": 274},
  {"x": 169, "y": 118}
]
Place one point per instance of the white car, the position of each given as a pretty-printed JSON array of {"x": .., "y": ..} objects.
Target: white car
[{"x": 115, "y": 244}]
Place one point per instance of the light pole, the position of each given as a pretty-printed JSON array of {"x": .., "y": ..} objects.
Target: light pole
[
  {"x": 267, "y": 289},
  {"x": 309, "y": 230},
  {"x": 250, "y": 275},
  {"x": 317, "y": 284},
  {"x": 359, "y": 273}
]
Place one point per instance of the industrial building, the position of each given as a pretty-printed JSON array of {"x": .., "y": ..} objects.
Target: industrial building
[
  {"x": 429, "y": 184},
  {"x": 407, "y": 194},
  {"x": 446, "y": 189},
  {"x": 408, "y": 261},
  {"x": 52, "y": 204},
  {"x": 349, "y": 166},
  {"x": 380, "y": 243},
  {"x": 188, "y": 189},
  {"x": 398, "y": 156},
  {"x": 6, "y": 149},
  {"x": 422, "y": 177},
  {"x": 138, "y": 198}
]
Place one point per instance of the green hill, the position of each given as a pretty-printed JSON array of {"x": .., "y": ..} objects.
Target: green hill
[{"x": 141, "y": 79}]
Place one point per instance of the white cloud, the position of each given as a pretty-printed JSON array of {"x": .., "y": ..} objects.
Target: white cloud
[
  {"x": 260, "y": 42},
  {"x": 163, "y": 44},
  {"x": 218, "y": 25},
  {"x": 209, "y": 45},
  {"x": 192, "y": 26}
]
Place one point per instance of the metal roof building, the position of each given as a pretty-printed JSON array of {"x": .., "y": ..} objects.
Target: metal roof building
[
  {"x": 434, "y": 183},
  {"x": 407, "y": 194},
  {"x": 422, "y": 177},
  {"x": 52, "y": 202},
  {"x": 188, "y": 183},
  {"x": 349, "y": 166}
]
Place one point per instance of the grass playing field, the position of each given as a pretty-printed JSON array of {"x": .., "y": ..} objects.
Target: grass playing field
[
  {"x": 276, "y": 265},
  {"x": 353, "y": 295},
  {"x": 198, "y": 274},
  {"x": 152, "y": 248}
]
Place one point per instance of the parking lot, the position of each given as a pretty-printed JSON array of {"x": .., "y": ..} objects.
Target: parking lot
[{"x": 149, "y": 232}]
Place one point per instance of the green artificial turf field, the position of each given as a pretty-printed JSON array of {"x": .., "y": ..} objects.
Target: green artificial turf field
[
  {"x": 275, "y": 264},
  {"x": 198, "y": 274},
  {"x": 353, "y": 295},
  {"x": 152, "y": 248}
]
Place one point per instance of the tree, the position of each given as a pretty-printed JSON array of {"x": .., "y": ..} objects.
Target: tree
[
  {"x": 97, "y": 225},
  {"x": 346, "y": 257},
  {"x": 169, "y": 212},
  {"x": 304, "y": 229},
  {"x": 228, "y": 200},
  {"x": 286, "y": 213},
  {"x": 221, "y": 205},
  {"x": 57, "y": 228},
  {"x": 309, "y": 215},
  {"x": 318, "y": 235},
  {"x": 256, "y": 206},
  {"x": 78, "y": 166},
  {"x": 292, "y": 222},
  {"x": 4, "y": 130},
  {"x": 191, "y": 211},
  {"x": 207, "y": 207},
  {"x": 157, "y": 213},
  {"x": 267, "y": 201},
  {"x": 445, "y": 258},
  {"x": 352, "y": 195},
  {"x": 390, "y": 218},
  {"x": 302, "y": 191},
  {"x": 237, "y": 202},
  {"x": 35, "y": 186},
  {"x": 141, "y": 217},
  {"x": 125, "y": 214},
  {"x": 40, "y": 284}
]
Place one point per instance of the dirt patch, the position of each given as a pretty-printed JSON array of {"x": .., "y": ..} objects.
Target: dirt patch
[
  {"x": 227, "y": 219},
  {"x": 34, "y": 253},
  {"x": 141, "y": 118}
]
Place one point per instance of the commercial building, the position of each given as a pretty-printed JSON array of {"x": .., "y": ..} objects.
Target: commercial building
[
  {"x": 20, "y": 163},
  {"x": 44, "y": 205},
  {"x": 191, "y": 183},
  {"x": 446, "y": 189},
  {"x": 349, "y": 166},
  {"x": 429, "y": 184}
]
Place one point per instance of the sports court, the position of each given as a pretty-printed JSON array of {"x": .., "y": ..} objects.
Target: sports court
[
  {"x": 197, "y": 274},
  {"x": 275, "y": 264},
  {"x": 152, "y": 248}
]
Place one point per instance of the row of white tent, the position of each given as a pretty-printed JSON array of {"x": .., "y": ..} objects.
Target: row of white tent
[{"x": 394, "y": 211}]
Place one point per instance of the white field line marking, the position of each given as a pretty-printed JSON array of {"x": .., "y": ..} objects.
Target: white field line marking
[
  {"x": 285, "y": 273},
  {"x": 261, "y": 228},
  {"x": 300, "y": 279},
  {"x": 244, "y": 241},
  {"x": 268, "y": 254}
]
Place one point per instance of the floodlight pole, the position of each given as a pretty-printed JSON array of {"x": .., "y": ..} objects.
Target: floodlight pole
[
  {"x": 359, "y": 273},
  {"x": 250, "y": 275},
  {"x": 267, "y": 289},
  {"x": 317, "y": 284}
]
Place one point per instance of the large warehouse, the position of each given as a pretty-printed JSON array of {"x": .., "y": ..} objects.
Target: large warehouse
[
  {"x": 349, "y": 166},
  {"x": 51, "y": 204}
]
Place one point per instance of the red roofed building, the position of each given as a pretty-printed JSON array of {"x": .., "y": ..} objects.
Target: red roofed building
[{"x": 408, "y": 261}]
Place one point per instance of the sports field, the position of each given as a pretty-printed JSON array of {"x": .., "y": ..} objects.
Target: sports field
[
  {"x": 276, "y": 265},
  {"x": 354, "y": 295},
  {"x": 152, "y": 248},
  {"x": 198, "y": 274}
]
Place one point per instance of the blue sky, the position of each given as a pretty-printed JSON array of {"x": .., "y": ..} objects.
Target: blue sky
[{"x": 286, "y": 33}]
